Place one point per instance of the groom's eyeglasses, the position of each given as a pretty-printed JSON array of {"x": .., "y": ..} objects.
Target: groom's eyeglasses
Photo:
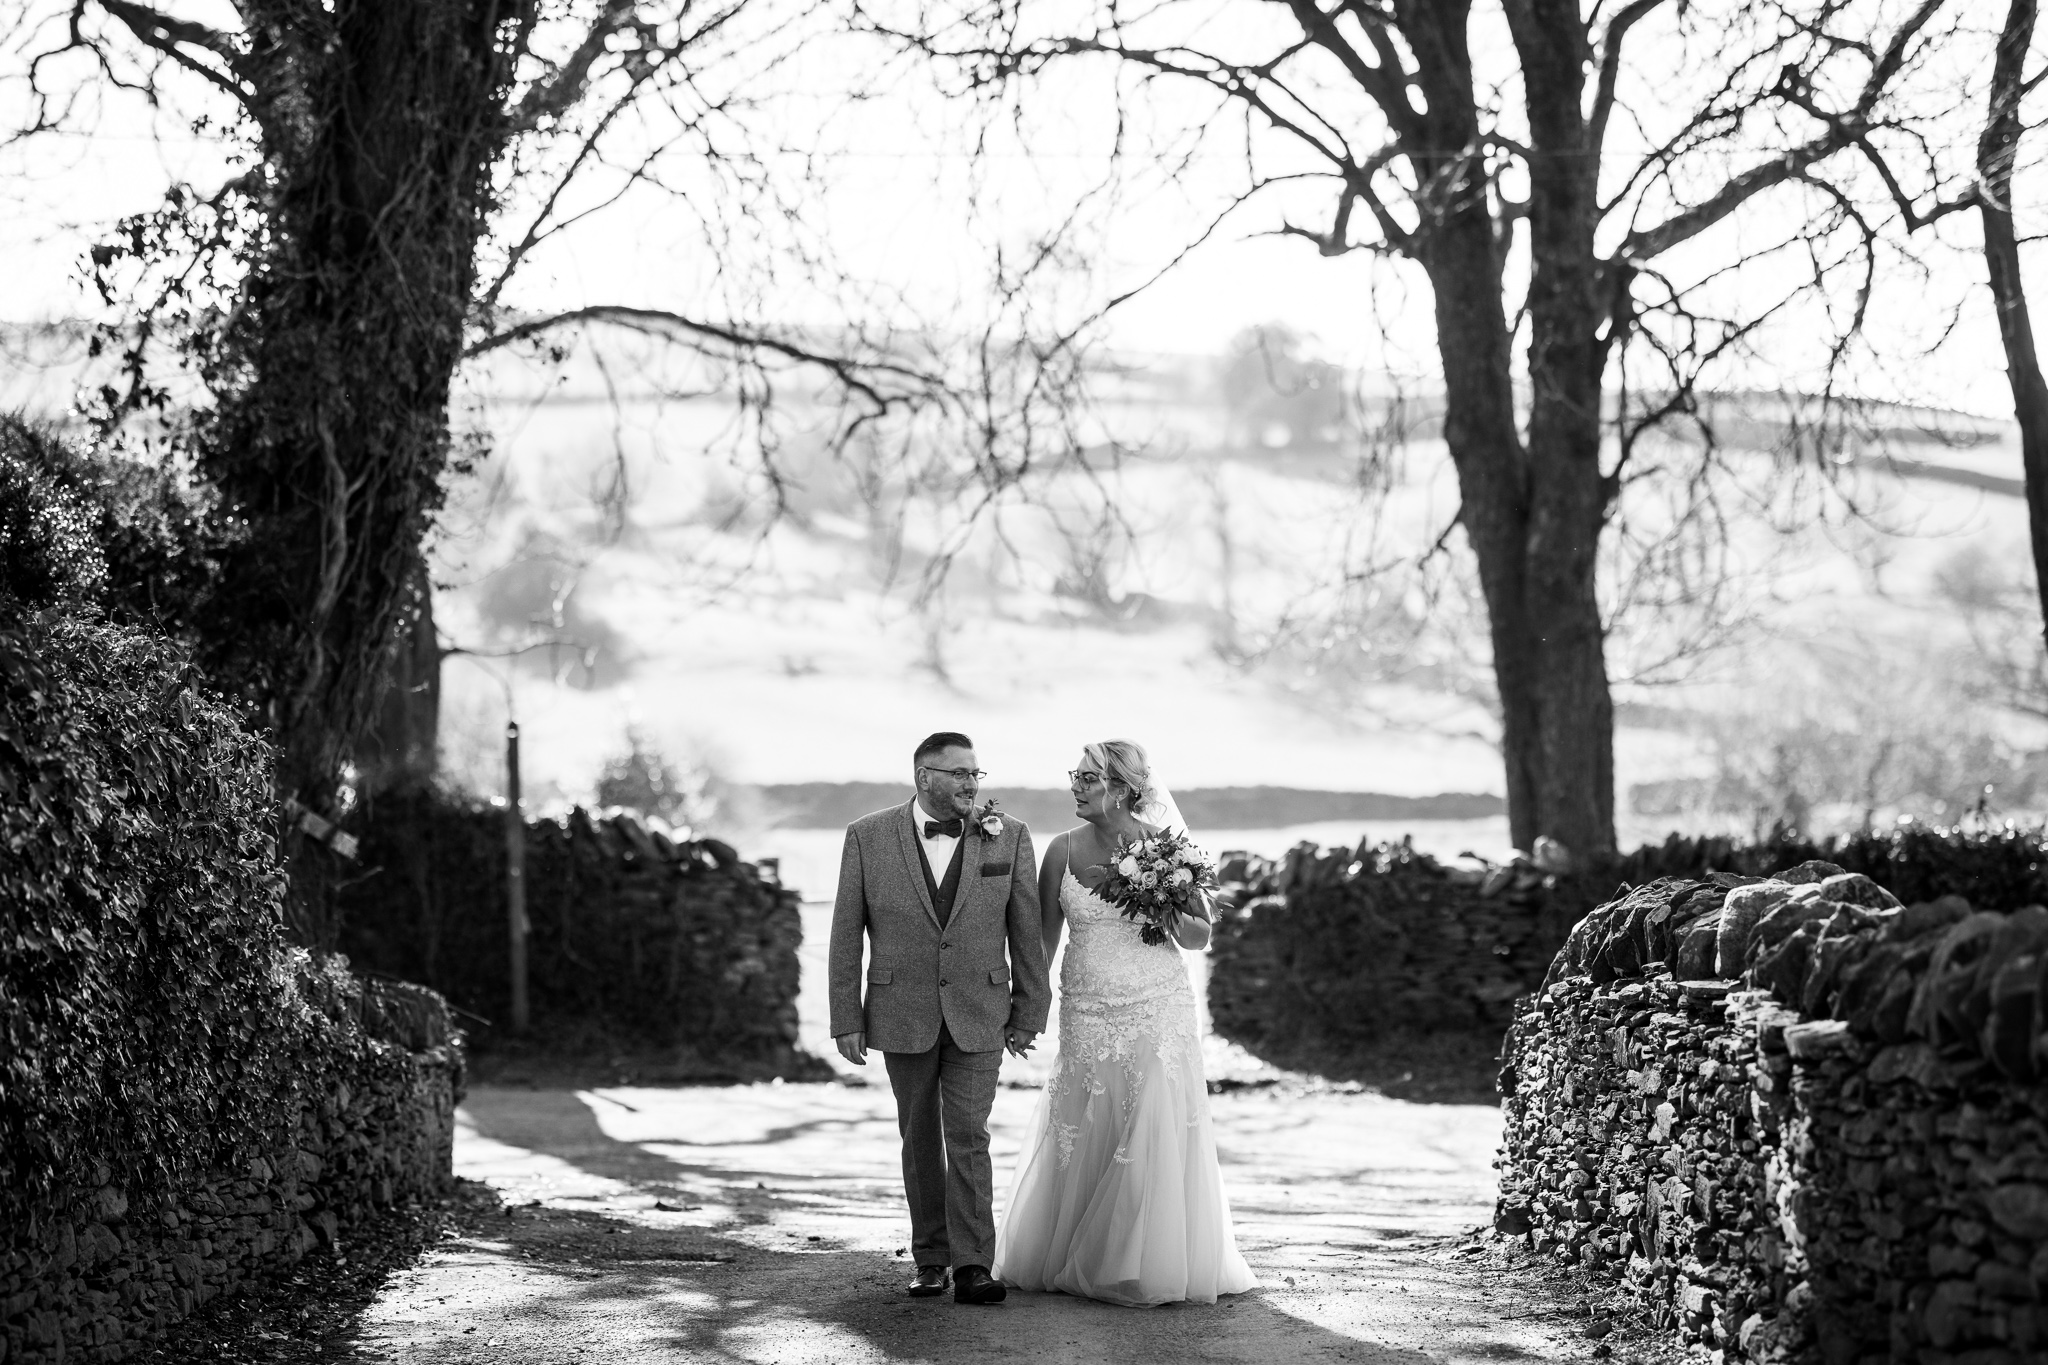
[
  {"x": 957, "y": 774},
  {"x": 1081, "y": 777}
]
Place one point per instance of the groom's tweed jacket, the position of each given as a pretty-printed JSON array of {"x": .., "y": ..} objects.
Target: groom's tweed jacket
[{"x": 920, "y": 972}]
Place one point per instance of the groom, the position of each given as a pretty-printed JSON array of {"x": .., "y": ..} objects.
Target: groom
[{"x": 938, "y": 888}]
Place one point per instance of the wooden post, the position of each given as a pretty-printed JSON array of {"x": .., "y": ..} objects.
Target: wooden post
[{"x": 515, "y": 878}]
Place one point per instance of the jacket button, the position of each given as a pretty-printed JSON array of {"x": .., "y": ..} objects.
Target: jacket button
[
  {"x": 945, "y": 945},
  {"x": 942, "y": 981}
]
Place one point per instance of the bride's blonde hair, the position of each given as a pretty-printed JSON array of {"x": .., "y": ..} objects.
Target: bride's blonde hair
[{"x": 1124, "y": 762}]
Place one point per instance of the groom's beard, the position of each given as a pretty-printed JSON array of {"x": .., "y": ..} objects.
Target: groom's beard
[{"x": 960, "y": 803}]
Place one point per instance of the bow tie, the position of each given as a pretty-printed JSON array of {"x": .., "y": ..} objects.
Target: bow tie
[{"x": 950, "y": 828}]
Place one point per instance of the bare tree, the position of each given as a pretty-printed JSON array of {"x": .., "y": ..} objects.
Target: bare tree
[
  {"x": 1553, "y": 196},
  {"x": 401, "y": 160},
  {"x": 1998, "y": 149},
  {"x": 1923, "y": 193}
]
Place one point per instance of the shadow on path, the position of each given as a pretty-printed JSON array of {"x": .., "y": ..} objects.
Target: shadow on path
[
  {"x": 547, "y": 1281},
  {"x": 779, "y": 1280}
]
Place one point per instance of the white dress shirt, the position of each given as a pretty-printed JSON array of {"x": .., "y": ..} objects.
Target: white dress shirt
[{"x": 938, "y": 849}]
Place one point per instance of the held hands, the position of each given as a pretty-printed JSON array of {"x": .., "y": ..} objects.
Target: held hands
[{"x": 854, "y": 1046}]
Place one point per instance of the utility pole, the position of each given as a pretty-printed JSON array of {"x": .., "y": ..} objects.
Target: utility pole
[{"x": 515, "y": 878}]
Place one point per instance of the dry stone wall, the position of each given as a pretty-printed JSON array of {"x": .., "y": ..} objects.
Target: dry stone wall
[
  {"x": 1335, "y": 953},
  {"x": 1342, "y": 949},
  {"x": 636, "y": 940},
  {"x": 94, "y": 1271},
  {"x": 1794, "y": 1119}
]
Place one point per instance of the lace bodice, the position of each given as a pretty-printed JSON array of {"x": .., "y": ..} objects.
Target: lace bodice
[
  {"x": 1125, "y": 1007},
  {"x": 1107, "y": 962}
]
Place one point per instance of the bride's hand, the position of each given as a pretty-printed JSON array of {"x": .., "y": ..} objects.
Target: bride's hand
[{"x": 1188, "y": 935}]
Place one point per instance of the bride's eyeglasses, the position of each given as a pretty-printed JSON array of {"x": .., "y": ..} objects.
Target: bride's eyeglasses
[{"x": 1081, "y": 777}]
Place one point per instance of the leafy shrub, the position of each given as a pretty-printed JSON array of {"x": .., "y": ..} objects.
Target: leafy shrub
[
  {"x": 153, "y": 1017},
  {"x": 1995, "y": 868},
  {"x": 141, "y": 959},
  {"x": 647, "y": 780},
  {"x": 85, "y": 530},
  {"x": 48, "y": 553}
]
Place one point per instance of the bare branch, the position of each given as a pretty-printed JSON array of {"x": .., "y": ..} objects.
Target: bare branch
[
  {"x": 178, "y": 39},
  {"x": 861, "y": 376},
  {"x": 1844, "y": 129},
  {"x": 1610, "y": 68},
  {"x": 1386, "y": 82}
]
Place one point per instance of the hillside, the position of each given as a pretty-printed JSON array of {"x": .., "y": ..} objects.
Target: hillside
[
  {"x": 832, "y": 805},
  {"x": 1241, "y": 590},
  {"x": 1233, "y": 627}
]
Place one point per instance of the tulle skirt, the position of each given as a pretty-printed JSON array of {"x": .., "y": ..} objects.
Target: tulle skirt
[{"x": 1118, "y": 1195}]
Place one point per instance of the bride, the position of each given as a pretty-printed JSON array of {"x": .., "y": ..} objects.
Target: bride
[{"x": 1117, "y": 1195}]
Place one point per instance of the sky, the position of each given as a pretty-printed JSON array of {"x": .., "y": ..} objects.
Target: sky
[{"x": 890, "y": 186}]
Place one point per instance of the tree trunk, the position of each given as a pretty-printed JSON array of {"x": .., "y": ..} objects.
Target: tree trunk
[
  {"x": 1459, "y": 253},
  {"x": 381, "y": 122},
  {"x": 1485, "y": 445},
  {"x": 398, "y": 749},
  {"x": 1568, "y": 501},
  {"x": 1997, "y": 151},
  {"x": 1533, "y": 512}
]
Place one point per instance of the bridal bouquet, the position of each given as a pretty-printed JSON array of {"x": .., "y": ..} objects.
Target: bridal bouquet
[{"x": 1157, "y": 880}]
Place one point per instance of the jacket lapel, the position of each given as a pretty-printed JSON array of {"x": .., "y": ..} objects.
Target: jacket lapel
[
  {"x": 913, "y": 859},
  {"x": 970, "y": 869}
]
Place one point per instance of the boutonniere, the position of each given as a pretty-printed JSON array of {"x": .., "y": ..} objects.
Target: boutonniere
[{"x": 990, "y": 822}]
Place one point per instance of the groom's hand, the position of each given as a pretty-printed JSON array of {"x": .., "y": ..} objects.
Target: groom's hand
[
  {"x": 853, "y": 1047},
  {"x": 1018, "y": 1041}
]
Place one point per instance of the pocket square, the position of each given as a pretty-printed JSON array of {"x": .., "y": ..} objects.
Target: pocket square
[{"x": 995, "y": 869}]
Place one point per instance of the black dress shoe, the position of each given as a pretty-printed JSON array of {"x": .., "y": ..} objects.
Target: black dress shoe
[
  {"x": 931, "y": 1280},
  {"x": 972, "y": 1284}
]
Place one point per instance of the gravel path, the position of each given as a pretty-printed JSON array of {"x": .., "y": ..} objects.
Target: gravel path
[{"x": 765, "y": 1224}]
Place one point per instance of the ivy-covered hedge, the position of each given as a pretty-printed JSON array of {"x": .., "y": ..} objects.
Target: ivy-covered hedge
[
  {"x": 1328, "y": 959},
  {"x": 142, "y": 970},
  {"x": 678, "y": 950},
  {"x": 185, "y": 1098}
]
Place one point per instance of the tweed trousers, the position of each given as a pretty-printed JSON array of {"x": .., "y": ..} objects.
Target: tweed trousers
[{"x": 943, "y": 1098}]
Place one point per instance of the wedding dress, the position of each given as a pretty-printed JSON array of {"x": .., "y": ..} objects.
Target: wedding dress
[{"x": 1117, "y": 1194}]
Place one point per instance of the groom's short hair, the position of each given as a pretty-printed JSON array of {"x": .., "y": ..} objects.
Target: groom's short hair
[{"x": 934, "y": 745}]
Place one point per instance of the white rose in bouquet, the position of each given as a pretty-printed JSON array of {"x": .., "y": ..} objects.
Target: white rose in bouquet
[
  {"x": 1128, "y": 866},
  {"x": 1181, "y": 876}
]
